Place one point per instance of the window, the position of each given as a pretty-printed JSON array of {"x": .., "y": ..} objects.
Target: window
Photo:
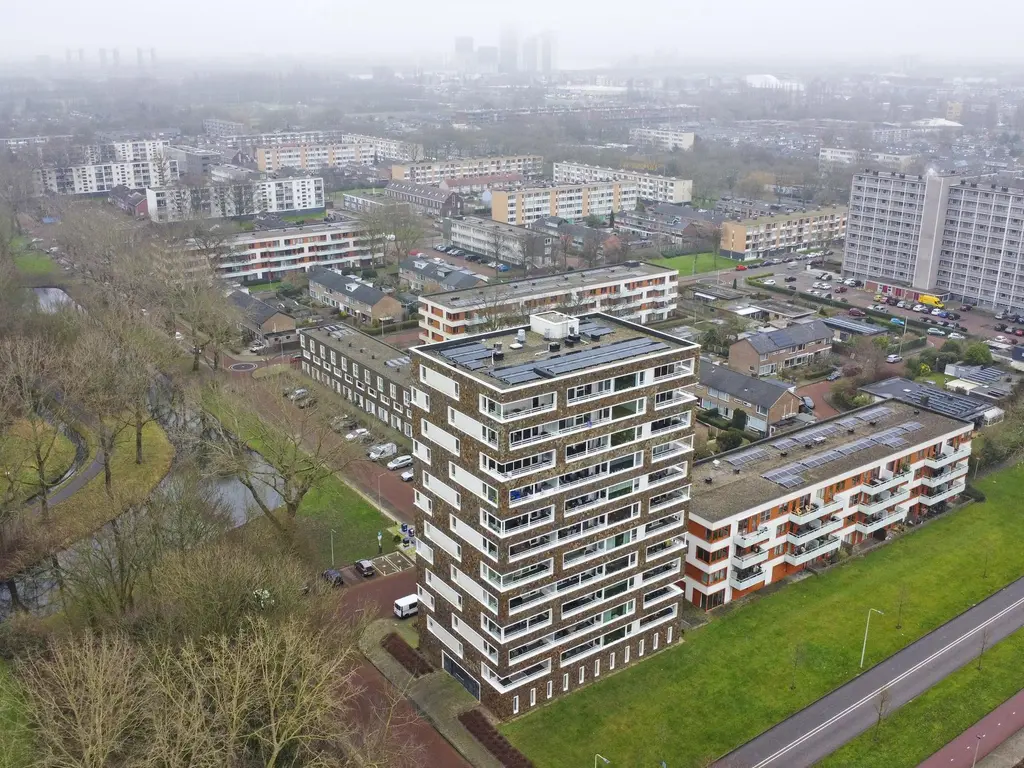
[
  {"x": 565, "y": 682},
  {"x": 640, "y": 648},
  {"x": 625, "y": 655},
  {"x": 515, "y": 705},
  {"x": 583, "y": 673},
  {"x": 611, "y": 661},
  {"x": 533, "y": 696},
  {"x": 654, "y": 645},
  {"x": 597, "y": 667},
  {"x": 550, "y": 688}
]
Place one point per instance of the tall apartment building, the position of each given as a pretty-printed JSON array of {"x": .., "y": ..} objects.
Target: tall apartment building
[
  {"x": 222, "y": 129},
  {"x": 271, "y": 254},
  {"x": 573, "y": 202},
  {"x": 381, "y": 147},
  {"x": 436, "y": 171},
  {"x": 650, "y": 186},
  {"x": 782, "y": 233},
  {"x": 780, "y": 505},
  {"x": 501, "y": 242},
  {"x": 140, "y": 150},
  {"x": 90, "y": 178},
  {"x": 634, "y": 291},
  {"x": 552, "y": 477},
  {"x": 192, "y": 161},
  {"x": 939, "y": 234},
  {"x": 310, "y": 157},
  {"x": 831, "y": 157},
  {"x": 216, "y": 201},
  {"x": 373, "y": 376},
  {"x": 385, "y": 148},
  {"x": 665, "y": 139}
]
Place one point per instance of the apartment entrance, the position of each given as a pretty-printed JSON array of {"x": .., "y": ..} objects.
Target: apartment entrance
[{"x": 456, "y": 670}]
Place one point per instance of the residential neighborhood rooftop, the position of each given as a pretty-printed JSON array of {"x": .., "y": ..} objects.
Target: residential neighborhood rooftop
[
  {"x": 365, "y": 350},
  {"x": 783, "y": 465},
  {"x": 791, "y": 336},
  {"x": 763, "y": 392},
  {"x": 925, "y": 394},
  {"x": 348, "y": 285}
]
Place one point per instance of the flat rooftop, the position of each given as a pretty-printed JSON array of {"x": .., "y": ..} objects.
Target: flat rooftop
[
  {"x": 528, "y": 357},
  {"x": 335, "y": 225},
  {"x": 365, "y": 350},
  {"x": 949, "y": 403},
  {"x": 784, "y": 464},
  {"x": 502, "y": 293}
]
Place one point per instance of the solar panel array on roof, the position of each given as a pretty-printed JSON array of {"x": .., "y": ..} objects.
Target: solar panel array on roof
[
  {"x": 746, "y": 457},
  {"x": 982, "y": 375},
  {"x": 473, "y": 355},
  {"x": 785, "y": 443},
  {"x": 596, "y": 330},
  {"x": 578, "y": 360},
  {"x": 850, "y": 422},
  {"x": 873, "y": 414}
]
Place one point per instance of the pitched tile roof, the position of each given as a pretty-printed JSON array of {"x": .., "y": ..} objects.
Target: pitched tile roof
[
  {"x": 763, "y": 392},
  {"x": 349, "y": 286},
  {"x": 802, "y": 333}
]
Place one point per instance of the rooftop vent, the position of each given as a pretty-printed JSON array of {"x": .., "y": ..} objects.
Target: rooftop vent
[{"x": 554, "y": 346}]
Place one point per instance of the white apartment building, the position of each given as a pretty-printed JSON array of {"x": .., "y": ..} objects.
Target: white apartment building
[
  {"x": 784, "y": 504},
  {"x": 662, "y": 189},
  {"x": 15, "y": 143},
  {"x": 573, "y": 202},
  {"x": 666, "y": 139},
  {"x": 122, "y": 151},
  {"x": 946, "y": 234},
  {"x": 634, "y": 291},
  {"x": 222, "y": 129},
  {"x": 273, "y": 253},
  {"x": 310, "y": 157},
  {"x": 550, "y": 492},
  {"x": 436, "y": 171},
  {"x": 830, "y": 157},
  {"x": 501, "y": 242},
  {"x": 383, "y": 147},
  {"x": 102, "y": 177},
  {"x": 215, "y": 201}
]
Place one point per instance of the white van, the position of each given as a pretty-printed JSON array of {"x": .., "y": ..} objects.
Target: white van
[{"x": 407, "y": 606}]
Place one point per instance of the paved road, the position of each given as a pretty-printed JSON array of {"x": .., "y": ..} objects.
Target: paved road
[
  {"x": 984, "y": 736},
  {"x": 820, "y": 729}
]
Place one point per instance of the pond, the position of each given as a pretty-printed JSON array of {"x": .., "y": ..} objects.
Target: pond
[{"x": 51, "y": 300}]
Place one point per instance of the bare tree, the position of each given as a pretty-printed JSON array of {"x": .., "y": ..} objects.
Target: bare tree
[
  {"x": 17, "y": 186},
  {"x": 405, "y": 229},
  {"x": 986, "y": 637},
  {"x": 564, "y": 247},
  {"x": 882, "y": 705},
  {"x": 590, "y": 253},
  {"x": 904, "y": 595}
]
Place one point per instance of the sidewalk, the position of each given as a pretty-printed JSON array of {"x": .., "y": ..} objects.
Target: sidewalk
[{"x": 995, "y": 728}]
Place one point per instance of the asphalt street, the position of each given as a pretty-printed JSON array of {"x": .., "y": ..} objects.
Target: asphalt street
[{"x": 821, "y": 728}]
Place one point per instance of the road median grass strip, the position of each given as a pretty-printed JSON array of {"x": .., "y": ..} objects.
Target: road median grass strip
[
  {"x": 755, "y": 664},
  {"x": 925, "y": 725}
]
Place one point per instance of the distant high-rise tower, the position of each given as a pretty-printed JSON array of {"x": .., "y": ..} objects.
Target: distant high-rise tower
[
  {"x": 547, "y": 53},
  {"x": 508, "y": 51},
  {"x": 531, "y": 53},
  {"x": 139, "y": 58},
  {"x": 116, "y": 57},
  {"x": 464, "y": 53},
  {"x": 103, "y": 57}
]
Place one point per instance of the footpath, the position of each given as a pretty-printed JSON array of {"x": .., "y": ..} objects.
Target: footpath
[{"x": 997, "y": 735}]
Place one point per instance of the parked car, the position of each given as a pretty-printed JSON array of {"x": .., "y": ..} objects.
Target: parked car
[
  {"x": 1001, "y": 340},
  {"x": 901, "y": 305},
  {"x": 957, "y": 336},
  {"x": 365, "y": 568},
  {"x": 333, "y": 577},
  {"x": 741, "y": 268},
  {"x": 790, "y": 279},
  {"x": 897, "y": 321},
  {"x": 854, "y": 312},
  {"x": 503, "y": 267},
  {"x": 767, "y": 282},
  {"x": 792, "y": 287},
  {"x": 808, "y": 403},
  {"x": 966, "y": 307},
  {"x": 835, "y": 375},
  {"x": 408, "y": 476},
  {"x": 357, "y": 434},
  {"x": 492, "y": 264},
  {"x": 842, "y": 289},
  {"x": 1018, "y": 331},
  {"x": 298, "y": 394},
  {"x": 382, "y": 451},
  {"x": 894, "y": 359},
  {"x": 936, "y": 332},
  {"x": 400, "y": 462}
]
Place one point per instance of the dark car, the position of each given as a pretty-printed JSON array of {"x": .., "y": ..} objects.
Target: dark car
[
  {"x": 791, "y": 287},
  {"x": 332, "y": 577},
  {"x": 841, "y": 289},
  {"x": 1001, "y": 326},
  {"x": 365, "y": 568},
  {"x": 790, "y": 279},
  {"x": 966, "y": 307},
  {"x": 854, "y": 312},
  {"x": 836, "y": 374}
]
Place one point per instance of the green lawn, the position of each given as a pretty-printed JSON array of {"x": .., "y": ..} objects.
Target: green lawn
[
  {"x": 34, "y": 264},
  {"x": 938, "y": 379},
  {"x": 265, "y": 287},
  {"x": 929, "y": 722},
  {"x": 731, "y": 679},
  {"x": 16, "y": 740},
  {"x": 17, "y": 456},
  {"x": 705, "y": 262}
]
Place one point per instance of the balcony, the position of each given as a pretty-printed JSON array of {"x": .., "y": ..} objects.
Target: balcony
[
  {"x": 881, "y": 520},
  {"x": 886, "y": 483},
  {"x": 505, "y": 412},
  {"x": 945, "y": 476},
  {"x": 672, "y": 449},
  {"x": 670, "y": 423},
  {"x": 946, "y": 458},
  {"x": 666, "y": 475},
  {"x": 817, "y": 548},
  {"x": 881, "y": 504},
  {"x": 747, "y": 540},
  {"x": 816, "y": 510},
  {"x": 664, "y": 524},
  {"x": 675, "y": 544},
  {"x": 661, "y": 595},
  {"x": 674, "y": 397},
  {"x": 747, "y": 578},
  {"x": 811, "y": 532},
  {"x": 750, "y": 559},
  {"x": 666, "y": 500},
  {"x": 942, "y": 495}
]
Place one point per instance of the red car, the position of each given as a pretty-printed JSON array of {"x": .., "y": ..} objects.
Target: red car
[
  {"x": 854, "y": 312},
  {"x": 740, "y": 268}
]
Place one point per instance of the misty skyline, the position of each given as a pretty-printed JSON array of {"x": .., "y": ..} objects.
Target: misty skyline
[{"x": 587, "y": 35}]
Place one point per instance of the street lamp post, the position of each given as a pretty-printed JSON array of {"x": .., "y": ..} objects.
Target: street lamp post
[
  {"x": 379, "y": 505},
  {"x": 977, "y": 749},
  {"x": 864, "y": 647},
  {"x": 332, "y": 546},
  {"x": 603, "y": 759}
]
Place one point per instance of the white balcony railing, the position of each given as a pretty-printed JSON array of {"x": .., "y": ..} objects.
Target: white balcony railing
[
  {"x": 876, "y": 522},
  {"x": 747, "y": 580},
  {"x": 880, "y": 505},
  {"x": 935, "y": 498},
  {"x": 746, "y": 540},
  {"x": 750, "y": 559},
  {"x": 952, "y": 474},
  {"x": 945, "y": 458},
  {"x": 813, "y": 550},
  {"x": 816, "y": 510},
  {"x": 885, "y": 483},
  {"x": 813, "y": 533}
]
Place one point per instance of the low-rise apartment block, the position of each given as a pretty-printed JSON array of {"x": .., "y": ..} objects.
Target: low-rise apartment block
[
  {"x": 103, "y": 177},
  {"x": 14, "y": 143},
  {"x": 573, "y": 202},
  {"x": 766, "y": 402},
  {"x": 380, "y": 146},
  {"x": 246, "y": 198},
  {"x": 662, "y": 189},
  {"x": 355, "y": 297},
  {"x": 766, "y": 354},
  {"x": 310, "y": 157},
  {"x": 270, "y": 254},
  {"x": 831, "y": 157},
  {"x": 223, "y": 129},
  {"x": 634, "y": 291},
  {"x": 665, "y": 139},
  {"x": 430, "y": 200},
  {"x": 192, "y": 161},
  {"x": 260, "y": 322},
  {"x": 551, "y": 483},
  {"x": 500, "y": 242},
  {"x": 436, "y": 171},
  {"x": 777, "y": 506},
  {"x": 375, "y": 377},
  {"x": 429, "y": 275},
  {"x": 783, "y": 233}
]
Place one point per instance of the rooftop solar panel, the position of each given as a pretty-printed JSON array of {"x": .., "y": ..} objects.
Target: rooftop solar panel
[
  {"x": 588, "y": 358},
  {"x": 872, "y": 414},
  {"x": 747, "y": 457},
  {"x": 850, "y": 422},
  {"x": 785, "y": 444}
]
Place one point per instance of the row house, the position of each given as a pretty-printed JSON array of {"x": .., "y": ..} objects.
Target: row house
[{"x": 767, "y": 354}]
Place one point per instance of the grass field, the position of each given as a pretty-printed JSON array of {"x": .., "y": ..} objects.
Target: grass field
[
  {"x": 932, "y": 720},
  {"x": 17, "y": 456},
  {"x": 265, "y": 287},
  {"x": 15, "y": 741},
  {"x": 735, "y": 677},
  {"x": 34, "y": 264},
  {"x": 705, "y": 262}
]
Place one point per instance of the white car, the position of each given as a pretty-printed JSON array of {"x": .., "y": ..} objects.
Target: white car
[
  {"x": 178, "y": 336},
  {"x": 919, "y": 307},
  {"x": 936, "y": 332},
  {"x": 408, "y": 476},
  {"x": 852, "y": 283},
  {"x": 1001, "y": 340},
  {"x": 957, "y": 336},
  {"x": 893, "y": 358},
  {"x": 298, "y": 394},
  {"x": 901, "y": 304},
  {"x": 400, "y": 462},
  {"x": 826, "y": 286},
  {"x": 767, "y": 282},
  {"x": 357, "y": 434},
  {"x": 936, "y": 311}
]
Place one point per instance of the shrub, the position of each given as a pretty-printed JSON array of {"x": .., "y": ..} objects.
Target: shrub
[
  {"x": 406, "y": 655},
  {"x": 482, "y": 730},
  {"x": 730, "y": 439}
]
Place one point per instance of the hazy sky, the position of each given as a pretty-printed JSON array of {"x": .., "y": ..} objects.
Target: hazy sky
[{"x": 587, "y": 32}]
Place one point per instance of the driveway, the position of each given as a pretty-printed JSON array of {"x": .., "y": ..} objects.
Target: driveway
[{"x": 817, "y": 393}]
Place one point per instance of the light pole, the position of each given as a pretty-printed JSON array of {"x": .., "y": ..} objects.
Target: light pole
[
  {"x": 379, "y": 505},
  {"x": 864, "y": 648},
  {"x": 603, "y": 759},
  {"x": 332, "y": 546},
  {"x": 977, "y": 749}
]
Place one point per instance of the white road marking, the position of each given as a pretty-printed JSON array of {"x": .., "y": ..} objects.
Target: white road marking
[{"x": 815, "y": 731}]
